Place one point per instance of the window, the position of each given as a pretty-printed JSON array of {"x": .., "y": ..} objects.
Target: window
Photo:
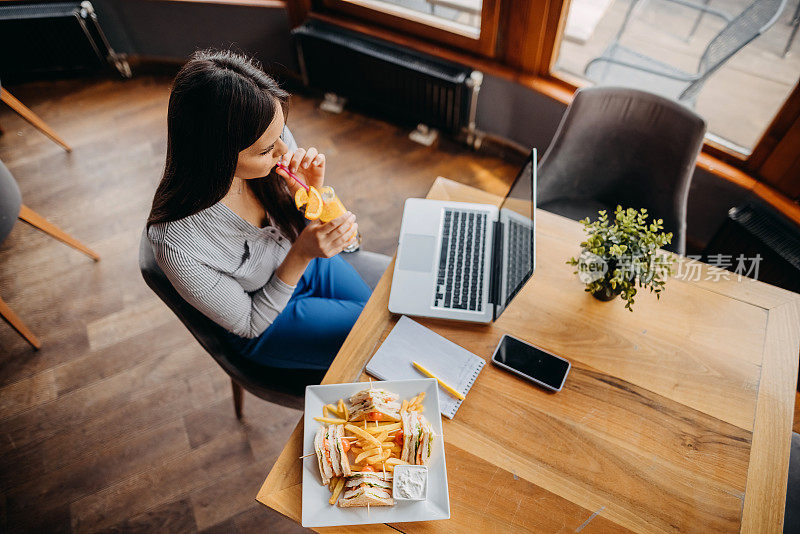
[
  {"x": 458, "y": 16},
  {"x": 461, "y": 24},
  {"x": 706, "y": 54}
]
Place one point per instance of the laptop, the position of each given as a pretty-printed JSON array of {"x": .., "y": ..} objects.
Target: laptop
[{"x": 466, "y": 261}]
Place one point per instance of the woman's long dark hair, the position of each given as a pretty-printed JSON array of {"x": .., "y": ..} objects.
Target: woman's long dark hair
[{"x": 221, "y": 103}]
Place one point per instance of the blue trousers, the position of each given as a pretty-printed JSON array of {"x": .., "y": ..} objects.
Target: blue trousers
[{"x": 309, "y": 331}]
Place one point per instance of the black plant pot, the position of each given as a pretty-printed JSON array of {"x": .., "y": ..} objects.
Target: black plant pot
[{"x": 606, "y": 293}]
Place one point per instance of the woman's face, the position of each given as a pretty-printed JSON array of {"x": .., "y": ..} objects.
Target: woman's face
[{"x": 259, "y": 158}]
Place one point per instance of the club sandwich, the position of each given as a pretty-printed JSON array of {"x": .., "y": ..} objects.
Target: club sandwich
[
  {"x": 417, "y": 438},
  {"x": 331, "y": 455},
  {"x": 374, "y": 405},
  {"x": 367, "y": 488}
]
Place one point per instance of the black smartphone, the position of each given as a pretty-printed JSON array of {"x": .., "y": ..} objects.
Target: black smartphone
[{"x": 537, "y": 365}]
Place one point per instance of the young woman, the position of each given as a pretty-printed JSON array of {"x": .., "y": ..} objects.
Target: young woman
[{"x": 224, "y": 227}]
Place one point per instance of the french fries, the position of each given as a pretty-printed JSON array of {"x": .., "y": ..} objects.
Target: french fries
[
  {"x": 339, "y": 410},
  {"x": 330, "y": 420},
  {"x": 357, "y": 467},
  {"x": 404, "y": 406},
  {"x": 334, "y": 410},
  {"x": 364, "y": 455},
  {"x": 384, "y": 456},
  {"x": 371, "y": 448},
  {"x": 416, "y": 402},
  {"x": 384, "y": 428},
  {"x": 336, "y": 490},
  {"x": 362, "y": 434}
]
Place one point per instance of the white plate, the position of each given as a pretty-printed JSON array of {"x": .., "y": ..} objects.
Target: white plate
[{"x": 316, "y": 510}]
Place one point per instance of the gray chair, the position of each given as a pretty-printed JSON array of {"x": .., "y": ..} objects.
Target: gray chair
[
  {"x": 276, "y": 385},
  {"x": 622, "y": 65},
  {"x": 11, "y": 209},
  {"x": 622, "y": 146},
  {"x": 791, "y": 516}
]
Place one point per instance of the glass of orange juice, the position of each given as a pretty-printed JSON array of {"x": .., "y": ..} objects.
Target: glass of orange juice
[
  {"x": 332, "y": 207},
  {"x": 325, "y": 206}
]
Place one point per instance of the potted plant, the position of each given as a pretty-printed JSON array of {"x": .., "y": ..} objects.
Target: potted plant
[{"x": 620, "y": 255}]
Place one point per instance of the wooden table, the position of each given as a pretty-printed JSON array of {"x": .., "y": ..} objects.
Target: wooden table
[{"x": 676, "y": 417}]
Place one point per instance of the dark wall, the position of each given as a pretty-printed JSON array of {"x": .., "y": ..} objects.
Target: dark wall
[
  {"x": 173, "y": 30},
  {"x": 509, "y": 110}
]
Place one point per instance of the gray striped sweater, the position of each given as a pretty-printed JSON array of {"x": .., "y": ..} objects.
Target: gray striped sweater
[{"x": 225, "y": 267}]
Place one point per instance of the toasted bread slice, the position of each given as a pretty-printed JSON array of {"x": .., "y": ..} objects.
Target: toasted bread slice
[
  {"x": 333, "y": 450},
  {"x": 325, "y": 469},
  {"x": 366, "y": 496}
]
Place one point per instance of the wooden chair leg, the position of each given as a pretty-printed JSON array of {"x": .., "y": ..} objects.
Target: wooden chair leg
[
  {"x": 36, "y": 220},
  {"x": 18, "y": 325},
  {"x": 238, "y": 398},
  {"x": 32, "y": 118}
]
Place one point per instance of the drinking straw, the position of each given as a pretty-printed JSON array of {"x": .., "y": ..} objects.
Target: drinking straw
[{"x": 296, "y": 179}]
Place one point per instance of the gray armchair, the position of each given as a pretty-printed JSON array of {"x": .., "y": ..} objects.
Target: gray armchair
[{"x": 622, "y": 146}]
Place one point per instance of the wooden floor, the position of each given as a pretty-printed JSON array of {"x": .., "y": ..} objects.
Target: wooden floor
[{"x": 121, "y": 421}]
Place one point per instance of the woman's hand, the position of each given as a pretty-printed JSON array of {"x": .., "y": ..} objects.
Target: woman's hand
[
  {"x": 317, "y": 240},
  {"x": 325, "y": 240},
  {"x": 307, "y": 165}
]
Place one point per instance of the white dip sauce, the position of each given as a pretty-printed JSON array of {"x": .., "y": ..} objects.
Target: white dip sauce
[{"x": 410, "y": 483}]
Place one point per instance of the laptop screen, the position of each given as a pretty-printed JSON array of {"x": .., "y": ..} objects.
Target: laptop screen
[{"x": 517, "y": 258}]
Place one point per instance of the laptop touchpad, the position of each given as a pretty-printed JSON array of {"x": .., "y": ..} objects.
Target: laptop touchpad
[{"x": 418, "y": 252}]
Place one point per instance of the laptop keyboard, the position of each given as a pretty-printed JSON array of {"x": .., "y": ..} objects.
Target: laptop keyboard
[
  {"x": 519, "y": 254},
  {"x": 459, "y": 285}
]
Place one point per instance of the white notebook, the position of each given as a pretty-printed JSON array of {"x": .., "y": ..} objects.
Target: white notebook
[{"x": 410, "y": 341}]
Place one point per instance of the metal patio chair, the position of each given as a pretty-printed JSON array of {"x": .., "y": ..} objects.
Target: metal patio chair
[{"x": 622, "y": 65}]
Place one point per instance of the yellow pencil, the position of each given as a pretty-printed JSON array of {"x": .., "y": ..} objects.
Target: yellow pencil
[{"x": 447, "y": 388}]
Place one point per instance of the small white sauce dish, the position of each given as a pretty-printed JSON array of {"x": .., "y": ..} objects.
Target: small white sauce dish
[{"x": 409, "y": 472}]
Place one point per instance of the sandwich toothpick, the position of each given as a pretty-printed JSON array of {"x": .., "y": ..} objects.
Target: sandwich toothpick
[{"x": 307, "y": 455}]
